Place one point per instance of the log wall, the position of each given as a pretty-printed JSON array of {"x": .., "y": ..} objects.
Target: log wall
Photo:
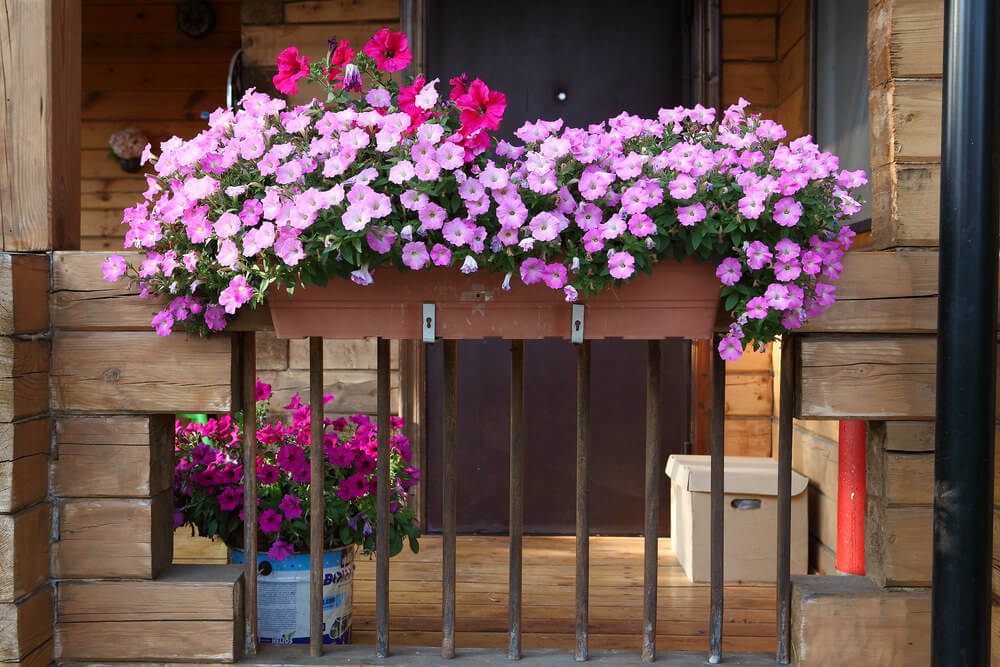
[
  {"x": 139, "y": 69},
  {"x": 26, "y": 607}
]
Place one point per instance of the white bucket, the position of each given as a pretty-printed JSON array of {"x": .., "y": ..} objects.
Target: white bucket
[{"x": 283, "y": 597}]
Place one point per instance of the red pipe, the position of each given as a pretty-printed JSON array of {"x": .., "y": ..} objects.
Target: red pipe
[{"x": 851, "y": 490}]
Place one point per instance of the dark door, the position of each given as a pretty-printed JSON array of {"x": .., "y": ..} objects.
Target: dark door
[{"x": 584, "y": 61}]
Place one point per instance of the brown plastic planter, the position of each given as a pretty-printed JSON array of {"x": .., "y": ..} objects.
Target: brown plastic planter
[{"x": 678, "y": 300}]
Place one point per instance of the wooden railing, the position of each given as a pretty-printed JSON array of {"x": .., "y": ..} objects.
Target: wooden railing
[{"x": 244, "y": 368}]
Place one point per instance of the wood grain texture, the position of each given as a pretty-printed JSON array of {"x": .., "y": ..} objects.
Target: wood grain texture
[
  {"x": 148, "y": 641},
  {"x": 40, "y": 124},
  {"x": 26, "y": 625},
  {"x": 107, "y": 538},
  {"x": 24, "y": 551},
  {"x": 338, "y": 11},
  {"x": 744, "y": 7},
  {"x": 110, "y": 372},
  {"x": 261, "y": 44},
  {"x": 81, "y": 299},
  {"x": 863, "y": 377},
  {"x": 341, "y": 354},
  {"x": 23, "y": 482},
  {"x": 25, "y": 438},
  {"x": 792, "y": 23},
  {"x": 748, "y": 394},
  {"x": 910, "y": 436},
  {"x": 749, "y": 38},
  {"x": 24, "y": 366},
  {"x": 142, "y": 462},
  {"x": 890, "y": 628},
  {"x": 353, "y": 391},
  {"x": 24, "y": 283},
  {"x": 180, "y": 593},
  {"x": 755, "y": 81},
  {"x": 906, "y": 40},
  {"x": 884, "y": 292},
  {"x": 906, "y": 204}
]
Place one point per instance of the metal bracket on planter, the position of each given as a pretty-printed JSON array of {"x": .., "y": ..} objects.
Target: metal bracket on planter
[
  {"x": 429, "y": 325},
  {"x": 576, "y": 324}
]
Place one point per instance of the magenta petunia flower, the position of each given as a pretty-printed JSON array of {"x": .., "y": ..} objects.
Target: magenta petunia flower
[
  {"x": 787, "y": 212},
  {"x": 230, "y": 498},
  {"x": 291, "y": 507},
  {"x": 389, "y": 50},
  {"x": 280, "y": 550},
  {"x": 270, "y": 521},
  {"x": 291, "y": 68},
  {"x": 482, "y": 108},
  {"x": 415, "y": 255},
  {"x": 729, "y": 271}
]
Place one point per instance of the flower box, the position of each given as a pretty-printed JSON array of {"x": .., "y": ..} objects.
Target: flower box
[{"x": 677, "y": 300}]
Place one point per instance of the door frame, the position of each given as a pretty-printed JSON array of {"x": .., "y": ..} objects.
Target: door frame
[{"x": 705, "y": 89}]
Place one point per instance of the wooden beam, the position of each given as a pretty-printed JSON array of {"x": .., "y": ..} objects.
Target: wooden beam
[
  {"x": 141, "y": 447},
  {"x": 114, "y": 538},
  {"x": 40, "y": 124},
  {"x": 24, "y": 366},
  {"x": 24, "y": 284},
  {"x": 148, "y": 641},
  {"x": 102, "y": 372},
  {"x": 866, "y": 377},
  {"x": 25, "y": 625},
  {"x": 24, "y": 552},
  {"x": 906, "y": 204},
  {"x": 846, "y": 620},
  {"x": 180, "y": 593},
  {"x": 342, "y": 11},
  {"x": 905, "y": 40}
]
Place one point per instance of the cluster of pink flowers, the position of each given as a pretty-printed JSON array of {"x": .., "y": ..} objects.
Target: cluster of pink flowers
[
  {"x": 208, "y": 479},
  {"x": 269, "y": 195}
]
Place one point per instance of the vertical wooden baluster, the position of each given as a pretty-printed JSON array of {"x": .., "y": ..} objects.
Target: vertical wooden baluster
[
  {"x": 516, "y": 494},
  {"x": 382, "y": 512},
  {"x": 317, "y": 509},
  {"x": 653, "y": 473},
  {"x": 248, "y": 404},
  {"x": 449, "y": 433},
  {"x": 785, "y": 407},
  {"x": 582, "y": 519},
  {"x": 718, "y": 501}
]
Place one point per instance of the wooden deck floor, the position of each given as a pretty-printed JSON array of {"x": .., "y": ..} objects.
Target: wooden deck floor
[{"x": 548, "y": 598}]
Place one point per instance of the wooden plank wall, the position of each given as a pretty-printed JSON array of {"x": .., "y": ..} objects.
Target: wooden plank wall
[
  {"x": 765, "y": 59},
  {"x": 26, "y": 608},
  {"x": 139, "y": 69}
]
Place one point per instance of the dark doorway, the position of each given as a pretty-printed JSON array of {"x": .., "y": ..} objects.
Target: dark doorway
[{"x": 584, "y": 61}]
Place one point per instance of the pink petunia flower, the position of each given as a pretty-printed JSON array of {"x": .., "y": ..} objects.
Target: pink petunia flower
[
  {"x": 114, "y": 268},
  {"x": 730, "y": 349},
  {"x": 729, "y": 271},
  {"x": 481, "y": 108},
  {"x": 758, "y": 255},
  {"x": 689, "y": 215},
  {"x": 622, "y": 265},
  {"x": 440, "y": 255},
  {"x": 787, "y": 212},
  {"x": 415, "y": 255}
]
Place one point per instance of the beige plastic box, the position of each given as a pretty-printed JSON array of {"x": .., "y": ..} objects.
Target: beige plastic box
[{"x": 751, "y": 518}]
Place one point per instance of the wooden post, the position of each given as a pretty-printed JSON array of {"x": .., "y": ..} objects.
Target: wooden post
[
  {"x": 582, "y": 518},
  {"x": 448, "y": 515},
  {"x": 516, "y": 494},
  {"x": 248, "y": 404},
  {"x": 317, "y": 506},
  {"x": 718, "y": 504},
  {"x": 382, "y": 512},
  {"x": 40, "y": 125},
  {"x": 783, "y": 589},
  {"x": 653, "y": 473}
]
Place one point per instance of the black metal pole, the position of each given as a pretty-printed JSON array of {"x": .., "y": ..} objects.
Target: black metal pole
[{"x": 966, "y": 343}]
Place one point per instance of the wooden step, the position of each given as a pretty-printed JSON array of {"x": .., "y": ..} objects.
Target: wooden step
[
  {"x": 848, "y": 620},
  {"x": 190, "y": 612}
]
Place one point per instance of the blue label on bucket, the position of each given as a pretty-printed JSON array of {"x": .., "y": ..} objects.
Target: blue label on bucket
[{"x": 283, "y": 597}]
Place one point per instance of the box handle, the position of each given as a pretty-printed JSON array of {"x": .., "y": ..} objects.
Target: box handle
[{"x": 746, "y": 503}]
